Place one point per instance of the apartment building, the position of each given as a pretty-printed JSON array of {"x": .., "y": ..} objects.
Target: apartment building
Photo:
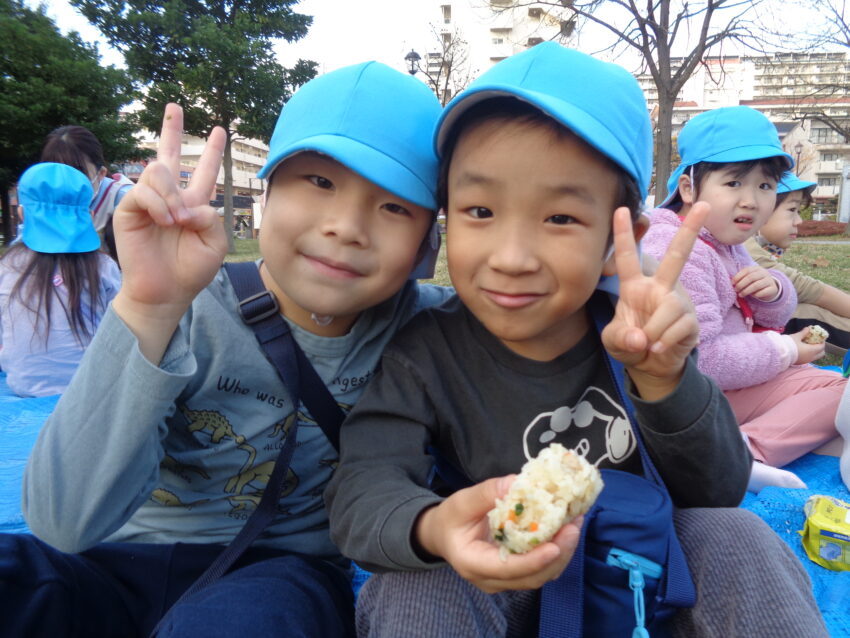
[
  {"x": 791, "y": 89},
  {"x": 492, "y": 30}
]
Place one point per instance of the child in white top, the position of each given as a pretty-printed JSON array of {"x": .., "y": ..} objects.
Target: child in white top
[{"x": 55, "y": 285}]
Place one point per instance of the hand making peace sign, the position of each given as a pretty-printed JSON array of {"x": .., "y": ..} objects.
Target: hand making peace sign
[
  {"x": 170, "y": 241},
  {"x": 654, "y": 327}
]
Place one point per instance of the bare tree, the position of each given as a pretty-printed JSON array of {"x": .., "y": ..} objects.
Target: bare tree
[
  {"x": 837, "y": 118},
  {"x": 446, "y": 65},
  {"x": 828, "y": 101},
  {"x": 671, "y": 37}
]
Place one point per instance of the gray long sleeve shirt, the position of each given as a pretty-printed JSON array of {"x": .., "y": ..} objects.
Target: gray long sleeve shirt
[
  {"x": 448, "y": 383},
  {"x": 181, "y": 452}
]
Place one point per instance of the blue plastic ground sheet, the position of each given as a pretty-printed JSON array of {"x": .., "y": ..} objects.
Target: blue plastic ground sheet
[
  {"x": 782, "y": 509},
  {"x": 20, "y": 421}
]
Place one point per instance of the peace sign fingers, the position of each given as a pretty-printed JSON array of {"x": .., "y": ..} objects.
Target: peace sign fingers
[
  {"x": 677, "y": 254},
  {"x": 171, "y": 138},
  {"x": 625, "y": 248},
  {"x": 206, "y": 172}
]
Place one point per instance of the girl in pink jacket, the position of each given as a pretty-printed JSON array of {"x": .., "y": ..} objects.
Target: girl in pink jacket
[{"x": 732, "y": 159}]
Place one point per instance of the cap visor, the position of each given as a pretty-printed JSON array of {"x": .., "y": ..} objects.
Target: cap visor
[
  {"x": 364, "y": 160},
  {"x": 581, "y": 123}
]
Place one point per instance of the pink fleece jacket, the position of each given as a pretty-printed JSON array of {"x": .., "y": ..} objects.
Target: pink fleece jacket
[{"x": 728, "y": 352}]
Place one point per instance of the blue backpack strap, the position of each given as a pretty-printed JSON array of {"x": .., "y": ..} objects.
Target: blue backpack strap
[
  {"x": 601, "y": 313},
  {"x": 680, "y": 587},
  {"x": 562, "y": 600},
  {"x": 259, "y": 309}
]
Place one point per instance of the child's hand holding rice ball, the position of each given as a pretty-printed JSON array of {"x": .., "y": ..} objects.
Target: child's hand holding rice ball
[
  {"x": 810, "y": 343},
  {"x": 816, "y": 335},
  {"x": 553, "y": 489}
]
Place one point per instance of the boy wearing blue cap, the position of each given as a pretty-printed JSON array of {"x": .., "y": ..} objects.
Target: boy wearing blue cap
[
  {"x": 541, "y": 172},
  {"x": 817, "y": 303},
  {"x": 168, "y": 435},
  {"x": 733, "y": 160},
  {"x": 55, "y": 285}
]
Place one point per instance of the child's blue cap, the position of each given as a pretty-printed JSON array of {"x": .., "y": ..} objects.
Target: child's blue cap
[
  {"x": 598, "y": 101},
  {"x": 56, "y": 200},
  {"x": 790, "y": 183},
  {"x": 375, "y": 120},
  {"x": 724, "y": 135}
]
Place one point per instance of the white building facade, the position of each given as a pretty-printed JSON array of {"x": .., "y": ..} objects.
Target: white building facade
[{"x": 492, "y": 30}]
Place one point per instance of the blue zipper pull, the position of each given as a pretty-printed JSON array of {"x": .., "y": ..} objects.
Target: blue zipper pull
[{"x": 637, "y": 566}]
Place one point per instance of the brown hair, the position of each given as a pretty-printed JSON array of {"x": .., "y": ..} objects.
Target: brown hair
[
  {"x": 804, "y": 202},
  {"x": 75, "y": 146}
]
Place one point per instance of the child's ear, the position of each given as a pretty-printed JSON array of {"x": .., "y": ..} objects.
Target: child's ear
[
  {"x": 686, "y": 191},
  {"x": 639, "y": 228}
]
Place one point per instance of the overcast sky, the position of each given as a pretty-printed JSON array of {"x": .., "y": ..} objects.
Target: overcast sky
[
  {"x": 343, "y": 31},
  {"x": 350, "y": 31}
]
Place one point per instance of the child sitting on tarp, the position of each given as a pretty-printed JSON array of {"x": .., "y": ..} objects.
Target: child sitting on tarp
[{"x": 55, "y": 285}]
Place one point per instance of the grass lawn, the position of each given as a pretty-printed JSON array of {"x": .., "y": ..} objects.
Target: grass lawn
[
  {"x": 246, "y": 250},
  {"x": 828, "y": 262}
]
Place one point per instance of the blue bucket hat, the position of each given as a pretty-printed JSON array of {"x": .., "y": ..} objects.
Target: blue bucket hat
[
  {"x": 56, "y": 200},
  {"x": 790, "y": 183},
  {"x": 374, "y": 120},
  {"x": 727, "y": 134},
  {"x": 598, "y": 101}
]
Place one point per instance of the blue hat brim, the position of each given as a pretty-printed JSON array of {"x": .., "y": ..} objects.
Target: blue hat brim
[
  {"x": 54, "y": 229},
  {"x": 367, "y": 162},
  {"x": 583, "y": 125},
  {"x": 790, "y": 183}
]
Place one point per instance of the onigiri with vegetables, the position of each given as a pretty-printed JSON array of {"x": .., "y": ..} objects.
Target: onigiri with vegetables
[
  {"x": 552, "y": 489},
  {"x": 816, "y": 335}
]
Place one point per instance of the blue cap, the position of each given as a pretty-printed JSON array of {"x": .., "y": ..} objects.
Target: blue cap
[
  {"x": 375, "y": 120},
  {"x": 56, "y": 200},
  {"x": 727, "y": 134},
  {"x": 790, "y": 183},
  {"x": 598, "y": 101}
]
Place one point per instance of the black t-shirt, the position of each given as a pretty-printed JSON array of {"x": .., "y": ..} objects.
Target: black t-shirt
[{"x": 446, "y": 383}]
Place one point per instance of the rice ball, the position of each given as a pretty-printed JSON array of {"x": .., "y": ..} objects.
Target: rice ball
[
  {"x": 816, "y": 335},
  {"x": 550, "y": 491}
]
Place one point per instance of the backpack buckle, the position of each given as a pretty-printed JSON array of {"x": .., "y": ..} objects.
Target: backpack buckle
[{"x": 257, "y": 307}]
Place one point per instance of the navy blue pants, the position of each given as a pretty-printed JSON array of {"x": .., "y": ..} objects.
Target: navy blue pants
[{"x": 122, "y": 590}]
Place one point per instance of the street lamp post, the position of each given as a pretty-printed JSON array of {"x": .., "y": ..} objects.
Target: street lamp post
[
  {"x": 798, "y": 149},
  {"x": 412, "y": 62}
]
